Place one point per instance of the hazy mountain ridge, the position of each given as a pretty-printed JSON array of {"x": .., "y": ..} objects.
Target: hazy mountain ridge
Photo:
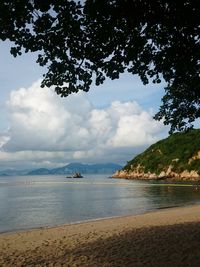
[
  {"x": 106, "y": 168},
  {"x": 13, "y": 172},
  {"x": 176, "y": 157}
]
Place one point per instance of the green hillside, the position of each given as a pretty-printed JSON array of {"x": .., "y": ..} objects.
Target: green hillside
[{"x": 180, "y": 151}]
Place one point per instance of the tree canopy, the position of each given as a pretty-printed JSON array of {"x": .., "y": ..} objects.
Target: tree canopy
[{"x": 87, "y": 41}]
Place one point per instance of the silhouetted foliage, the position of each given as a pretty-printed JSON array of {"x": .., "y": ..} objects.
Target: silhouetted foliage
[{"x": 80, "y": 43}]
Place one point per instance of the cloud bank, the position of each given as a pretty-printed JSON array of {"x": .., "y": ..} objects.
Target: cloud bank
[{"x": 46, "y": 130}]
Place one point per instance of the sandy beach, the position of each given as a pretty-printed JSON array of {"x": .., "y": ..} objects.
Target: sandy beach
[{"x": 169, "y": 237}]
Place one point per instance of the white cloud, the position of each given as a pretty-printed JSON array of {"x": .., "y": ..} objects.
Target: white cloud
[
  {"x": 40, "y": 120},
  {"x": 3, "y": 140},
  {"x": 135, "y": 130},
  {"x": 49, "y": 129}
]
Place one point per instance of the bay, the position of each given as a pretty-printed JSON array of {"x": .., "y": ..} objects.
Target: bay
[{"x": 28, "y": 202}]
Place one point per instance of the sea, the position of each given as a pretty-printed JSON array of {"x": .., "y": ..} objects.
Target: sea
[{"x": 28, "y": 202}]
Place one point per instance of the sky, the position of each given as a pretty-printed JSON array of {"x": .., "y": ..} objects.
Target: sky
[{"x": 111, "y": 123}]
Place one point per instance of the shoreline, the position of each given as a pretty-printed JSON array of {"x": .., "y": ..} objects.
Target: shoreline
[
  {"x": 155, "y": 178},
  {"x": 162, "y": 237},
  {"x": 45, "y": 227}
]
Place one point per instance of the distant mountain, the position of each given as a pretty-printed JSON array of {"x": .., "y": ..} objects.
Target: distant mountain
[
  {"x": 13, "y": 172},
  {"x": 4, "y": 174},
  {"x": 41, "y": 171},
  {"x": 106, "y": 168}
]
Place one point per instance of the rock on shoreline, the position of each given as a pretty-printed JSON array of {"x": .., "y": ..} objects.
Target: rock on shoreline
[{"x": 183, "y": 176}]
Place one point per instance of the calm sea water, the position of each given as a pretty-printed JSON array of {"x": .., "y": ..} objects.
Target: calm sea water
[{"x": 35, "y": 201}]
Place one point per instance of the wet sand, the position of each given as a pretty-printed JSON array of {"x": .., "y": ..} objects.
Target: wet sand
[{"x": 169, "y": 237}]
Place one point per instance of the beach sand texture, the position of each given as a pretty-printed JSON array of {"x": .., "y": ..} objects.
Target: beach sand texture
[{"x": 169, "y": 237}]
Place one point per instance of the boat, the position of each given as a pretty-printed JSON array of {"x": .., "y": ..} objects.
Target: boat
[{"x": 77, "y": 175}]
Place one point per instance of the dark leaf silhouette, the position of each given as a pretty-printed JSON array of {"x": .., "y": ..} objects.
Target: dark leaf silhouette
[{"x": 102, "y": 39}]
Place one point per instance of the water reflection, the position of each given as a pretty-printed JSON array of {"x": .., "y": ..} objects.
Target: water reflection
[
  {"x": 167, "y": 195},
  {"x": 29, "y": 202}
]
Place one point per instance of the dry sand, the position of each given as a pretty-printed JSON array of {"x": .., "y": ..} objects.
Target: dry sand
[{"x": 169, "y": 237}]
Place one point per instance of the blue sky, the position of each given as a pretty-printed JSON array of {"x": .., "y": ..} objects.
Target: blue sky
[{"x": 110, "y": 123}]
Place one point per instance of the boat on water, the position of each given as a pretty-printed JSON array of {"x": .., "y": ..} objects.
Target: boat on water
[{"x": 75, "y": 175}]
